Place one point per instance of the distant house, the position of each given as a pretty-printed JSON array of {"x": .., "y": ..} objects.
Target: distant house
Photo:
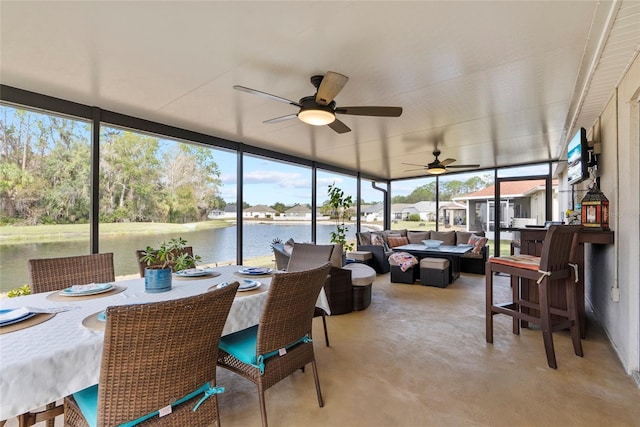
[
  {"x": 230, "y": 210},
  {"x": 298, "y": 212},
  {"x": 216, "y": 213},
  {"x": 401, "y": 211},
  {"x": 372, "y": 213},
  {"x": 259, "y": 211},
  {"x": 521, "y": 203},
  {"x": 453, "y": 213}
]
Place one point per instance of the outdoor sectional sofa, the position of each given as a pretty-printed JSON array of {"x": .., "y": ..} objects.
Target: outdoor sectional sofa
[{"x": 379, "y": 243}]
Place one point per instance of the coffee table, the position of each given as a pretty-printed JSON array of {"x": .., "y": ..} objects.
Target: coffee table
[{"x": 452, "y": 253}]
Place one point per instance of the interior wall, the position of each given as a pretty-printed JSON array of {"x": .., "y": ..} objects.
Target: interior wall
[{"x": 612, "y": 269}]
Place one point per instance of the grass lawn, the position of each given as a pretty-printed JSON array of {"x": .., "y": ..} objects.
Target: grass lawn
[{"x": 51, "y": 233}]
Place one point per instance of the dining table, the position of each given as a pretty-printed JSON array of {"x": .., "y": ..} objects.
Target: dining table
[{"x": 53, "y": 355}]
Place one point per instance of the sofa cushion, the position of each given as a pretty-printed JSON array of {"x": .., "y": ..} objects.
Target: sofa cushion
[
  {"x": 401, "y": 233},
  {"x": 416, "y": 237},
  {"x": 477, "y": 242},
  {"x": 397, "y": 241},
  {"x": 448, "y": 237}
]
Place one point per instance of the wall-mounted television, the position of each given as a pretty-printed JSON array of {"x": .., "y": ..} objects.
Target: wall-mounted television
[{"x": 578, "y": 157}]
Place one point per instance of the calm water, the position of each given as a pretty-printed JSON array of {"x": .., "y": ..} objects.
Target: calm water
[{"x": 216, "y": 245}]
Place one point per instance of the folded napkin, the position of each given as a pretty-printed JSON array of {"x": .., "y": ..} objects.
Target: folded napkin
[
  {"x": 89, "y": 287},
  {"x": 14, "y": 314}
]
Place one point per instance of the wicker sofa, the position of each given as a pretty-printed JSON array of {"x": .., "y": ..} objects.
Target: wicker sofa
[{"x": 469, "y": 263}]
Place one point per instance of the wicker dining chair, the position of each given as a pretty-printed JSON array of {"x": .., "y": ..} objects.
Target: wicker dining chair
[
  {"x": 54, "y": 274},
  {"x": 142, "y": 265},
  {"x": 555, "y": 266},
  {"x": 279, "y": 345},
  {"x": 156, "y": 355},
  {"x": 305, "y": 256}
]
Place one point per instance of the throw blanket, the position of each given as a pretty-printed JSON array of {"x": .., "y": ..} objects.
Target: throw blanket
[{"x": 403, "y": 259}]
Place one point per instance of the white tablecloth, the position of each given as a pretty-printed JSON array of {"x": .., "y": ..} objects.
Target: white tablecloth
[{"x": 48, "y": 361}]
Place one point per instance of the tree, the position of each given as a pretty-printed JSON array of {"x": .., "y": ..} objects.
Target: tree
[
  {"x": 130, "y": 175},
  {"x": 279, "y": 206}
]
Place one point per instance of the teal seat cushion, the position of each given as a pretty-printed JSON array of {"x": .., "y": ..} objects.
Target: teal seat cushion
[
  {"x": 242, "y": 346},
  {"x": 87, "y": 401}
]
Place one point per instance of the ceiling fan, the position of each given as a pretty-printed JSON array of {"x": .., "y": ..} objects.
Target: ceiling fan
[
  {"x": 320, "y": 109},
  {"x": 438, "y": 167}
]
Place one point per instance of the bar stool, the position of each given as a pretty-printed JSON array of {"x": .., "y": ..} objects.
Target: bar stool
[{"x": 552, "y": 268}]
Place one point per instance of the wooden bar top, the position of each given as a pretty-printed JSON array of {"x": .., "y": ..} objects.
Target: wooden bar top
[{"x": 587, "y": 235}]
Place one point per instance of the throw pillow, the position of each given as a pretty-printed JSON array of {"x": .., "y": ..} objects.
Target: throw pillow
[
  {"x": 377, "y": 239},
  {"x": 397, "y": 241},
  {"x": 364, "y": 238},
  {"x": 477, "y": 242}
]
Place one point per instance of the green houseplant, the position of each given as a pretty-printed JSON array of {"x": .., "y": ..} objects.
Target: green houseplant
[
  {"x": 161, "y": 262},
  {"x": 339, "y": 205}
]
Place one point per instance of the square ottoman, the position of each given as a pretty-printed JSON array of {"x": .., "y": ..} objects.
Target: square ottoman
[{"x": 434, "y": 272}]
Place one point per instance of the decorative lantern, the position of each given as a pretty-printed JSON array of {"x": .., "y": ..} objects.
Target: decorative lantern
[{"x": 595, "y": 209}]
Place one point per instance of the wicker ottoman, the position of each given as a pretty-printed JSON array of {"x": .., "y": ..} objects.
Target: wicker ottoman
[
  {"x": 362, "y": 276},
  {"x": 410, "y": 275},
  {"x": 434, "y": 272}
]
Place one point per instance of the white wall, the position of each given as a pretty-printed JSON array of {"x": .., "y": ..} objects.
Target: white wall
[{"x": 618, "y": 265}]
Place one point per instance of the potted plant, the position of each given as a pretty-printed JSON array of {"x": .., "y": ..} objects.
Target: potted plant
[
  {"x": 161, "y": 262},
  {"x": 339, "y": 204}
]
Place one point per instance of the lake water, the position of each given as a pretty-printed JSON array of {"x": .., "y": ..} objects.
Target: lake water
[{"x": 215, "y": 245}]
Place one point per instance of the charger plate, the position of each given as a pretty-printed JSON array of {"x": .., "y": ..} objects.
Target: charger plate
[
  {"x": 32, "y": 321},
  {"x": 92, "y": 322},
  {"x": 55, "y": 296}
]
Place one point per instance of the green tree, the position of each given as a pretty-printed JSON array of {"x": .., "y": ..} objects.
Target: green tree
[
  {"x": 279, "y": 206},
  {"x": 130, "y": 175}
]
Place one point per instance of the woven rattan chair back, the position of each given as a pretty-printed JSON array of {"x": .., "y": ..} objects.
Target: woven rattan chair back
[
  {"x": 142, "y": 265},
  {"x": 156, "y": 353},
  {"x": 54, "y": 274},
  {"x": 286, "y": 318},
  {"x": 289, "y": 308}
]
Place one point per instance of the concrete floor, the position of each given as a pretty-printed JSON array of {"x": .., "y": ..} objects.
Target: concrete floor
[{"x": 418, "y": 357}]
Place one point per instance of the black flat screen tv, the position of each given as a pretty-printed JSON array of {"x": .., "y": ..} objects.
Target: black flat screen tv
[{"x": 578, "y": 158}]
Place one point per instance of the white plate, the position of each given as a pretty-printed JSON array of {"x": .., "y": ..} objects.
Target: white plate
[
  {"x": 255, "y": 271},
  {"x": 192, "y": 272},
  {"x": 82, "y": 290},
  {"x": 14, "y": 315},
  {"x": 245, "y": 285},
  {"x": 248, "y": 285}
]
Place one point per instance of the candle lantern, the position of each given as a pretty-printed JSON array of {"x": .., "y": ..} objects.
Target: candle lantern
[{"x": 595, "y": 209}]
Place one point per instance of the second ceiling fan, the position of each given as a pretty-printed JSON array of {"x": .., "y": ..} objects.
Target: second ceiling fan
[
  {"x": 320, "y": 109},
  {"x": 437, "y": 167}
]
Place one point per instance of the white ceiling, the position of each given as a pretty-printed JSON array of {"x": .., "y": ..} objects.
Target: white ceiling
[{"x": 494, "y": 83}]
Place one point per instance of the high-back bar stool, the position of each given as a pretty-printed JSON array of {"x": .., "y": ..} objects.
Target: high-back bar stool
[{"x": 554, "y": 267}]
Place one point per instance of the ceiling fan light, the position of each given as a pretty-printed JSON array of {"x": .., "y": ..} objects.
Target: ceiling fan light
[
  {"x": 437, "y": 170},
  {"x": 316, "y": 117}
]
